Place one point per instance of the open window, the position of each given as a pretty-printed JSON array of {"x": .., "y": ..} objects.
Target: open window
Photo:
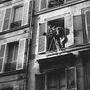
[
  {"x": 54, "y": 3},
  {"x": 55, "y": 34},
  {"x": 11, "y": 58},
  {"x": 50, "y": 3},
  {"x": 17, "y": 16}
]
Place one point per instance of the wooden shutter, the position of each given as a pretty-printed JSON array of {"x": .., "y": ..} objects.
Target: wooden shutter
[
  {"x": 7, "y": 19},
  {"x": 21, "y": 51},
  {"x": 43, "y": 4},
  {"x": 70, "y": 74},
  {"x": 40, "y": 82},
  {"x": 68, "y": 25},
  {"x": 25, "y": 13},
  {"x": 88, "y": 25},
  {"x": 2, "y": 13},
  {"x": 78, "y": 32},
  {"x": 42, "y": 38},
  {"x": 2, "y": 56}
]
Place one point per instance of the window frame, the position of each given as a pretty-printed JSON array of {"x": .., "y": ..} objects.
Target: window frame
[
  {"x": 50, "y": 19},
  {"x": 10, "y": 61},
  {"x": 86, "y": 23},
  {"x": 13, "y": 15},
  {"x": 75, "y": 76},
  {"x": 47, "y": 3},
  {"x": 4, "y": 57}
]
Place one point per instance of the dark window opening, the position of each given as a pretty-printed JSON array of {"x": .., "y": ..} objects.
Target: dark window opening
[
  {"x": 56, "y": 80},
  {"x": 12, "y": 53},
  {"x": 56, "y": 37},
  {"x": 53, "y": 3}
]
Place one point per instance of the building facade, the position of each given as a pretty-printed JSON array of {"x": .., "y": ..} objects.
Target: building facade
[
  {"x": 15, "y": 38},
  {"x": 60, "y": 45}
]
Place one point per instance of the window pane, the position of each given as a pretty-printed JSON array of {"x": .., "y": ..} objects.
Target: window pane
[
  {"x": 71, "y": 78},
  {"x": 53, "y": 3},
  {"x": 12, "y": 49},
  {"x": 18, "y": 14},
  {"x": 1, "y": 61},
  {"x": 88, "y": 17},
  {"x": 2, "y": 48},
  {"x": 15, "y": 52},
  {"x": 88, "y": 33},
  {"x": 43, "y": 4}
]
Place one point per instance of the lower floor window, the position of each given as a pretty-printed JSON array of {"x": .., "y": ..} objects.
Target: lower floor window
[{"x": 64, "y": 79}]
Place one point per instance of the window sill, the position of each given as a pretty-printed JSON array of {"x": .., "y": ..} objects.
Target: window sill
[
  {"x": 73, "y": 48},
  {"x": 67, "y": 4},
  {"x": 9, "y": 73},
  {"x": 14, "y": 29},
  {"x": 3, "y": 1}
]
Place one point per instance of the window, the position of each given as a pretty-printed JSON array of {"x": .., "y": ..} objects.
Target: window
[
  {"x": 87, "y": 20},
  {"x": 12, "y": 52},
  {"x": 56, "y": 80},
  {"x": 51, "y": 3},
  {"x": 61, "y": 79},
  {"x": 17, "y": 17},
  {"x": 53, "y": 35},
  {"x": 12, "y": 56}
]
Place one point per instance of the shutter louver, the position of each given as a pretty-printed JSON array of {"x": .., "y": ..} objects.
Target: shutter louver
[
  {"x": 68, "y": 25},
  {"x": 2, "y": 56},
  {"x": 21, "y": 51},
  {"x": 42, "y": 38},
  {"x": 2, "y": 13},
  {"x": 78, "y": 32},
  {"x": 43, "y": 4},
  {"x": 25, "y": 13},
  {"x": 7, "y": 19}
]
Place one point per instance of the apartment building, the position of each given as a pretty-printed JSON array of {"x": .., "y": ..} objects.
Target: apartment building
[
  {"x": 61, "y": 45},
  {"x": 15, "y": 38}
]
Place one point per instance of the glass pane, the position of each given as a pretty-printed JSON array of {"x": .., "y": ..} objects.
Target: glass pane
[
  {"x": 6, "y": 23},
  {"x": 2, "y": 48},
  {"x": 88, "y": 33},
  {"x": 88, "y": 17},
  {"x": 43, "y": 4},
  {"x": 1, "y": 61},
  {"x": 15, "y": 51},
  {"x": 71, "y": 79},
  {"x": 18, "y": 14}
]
